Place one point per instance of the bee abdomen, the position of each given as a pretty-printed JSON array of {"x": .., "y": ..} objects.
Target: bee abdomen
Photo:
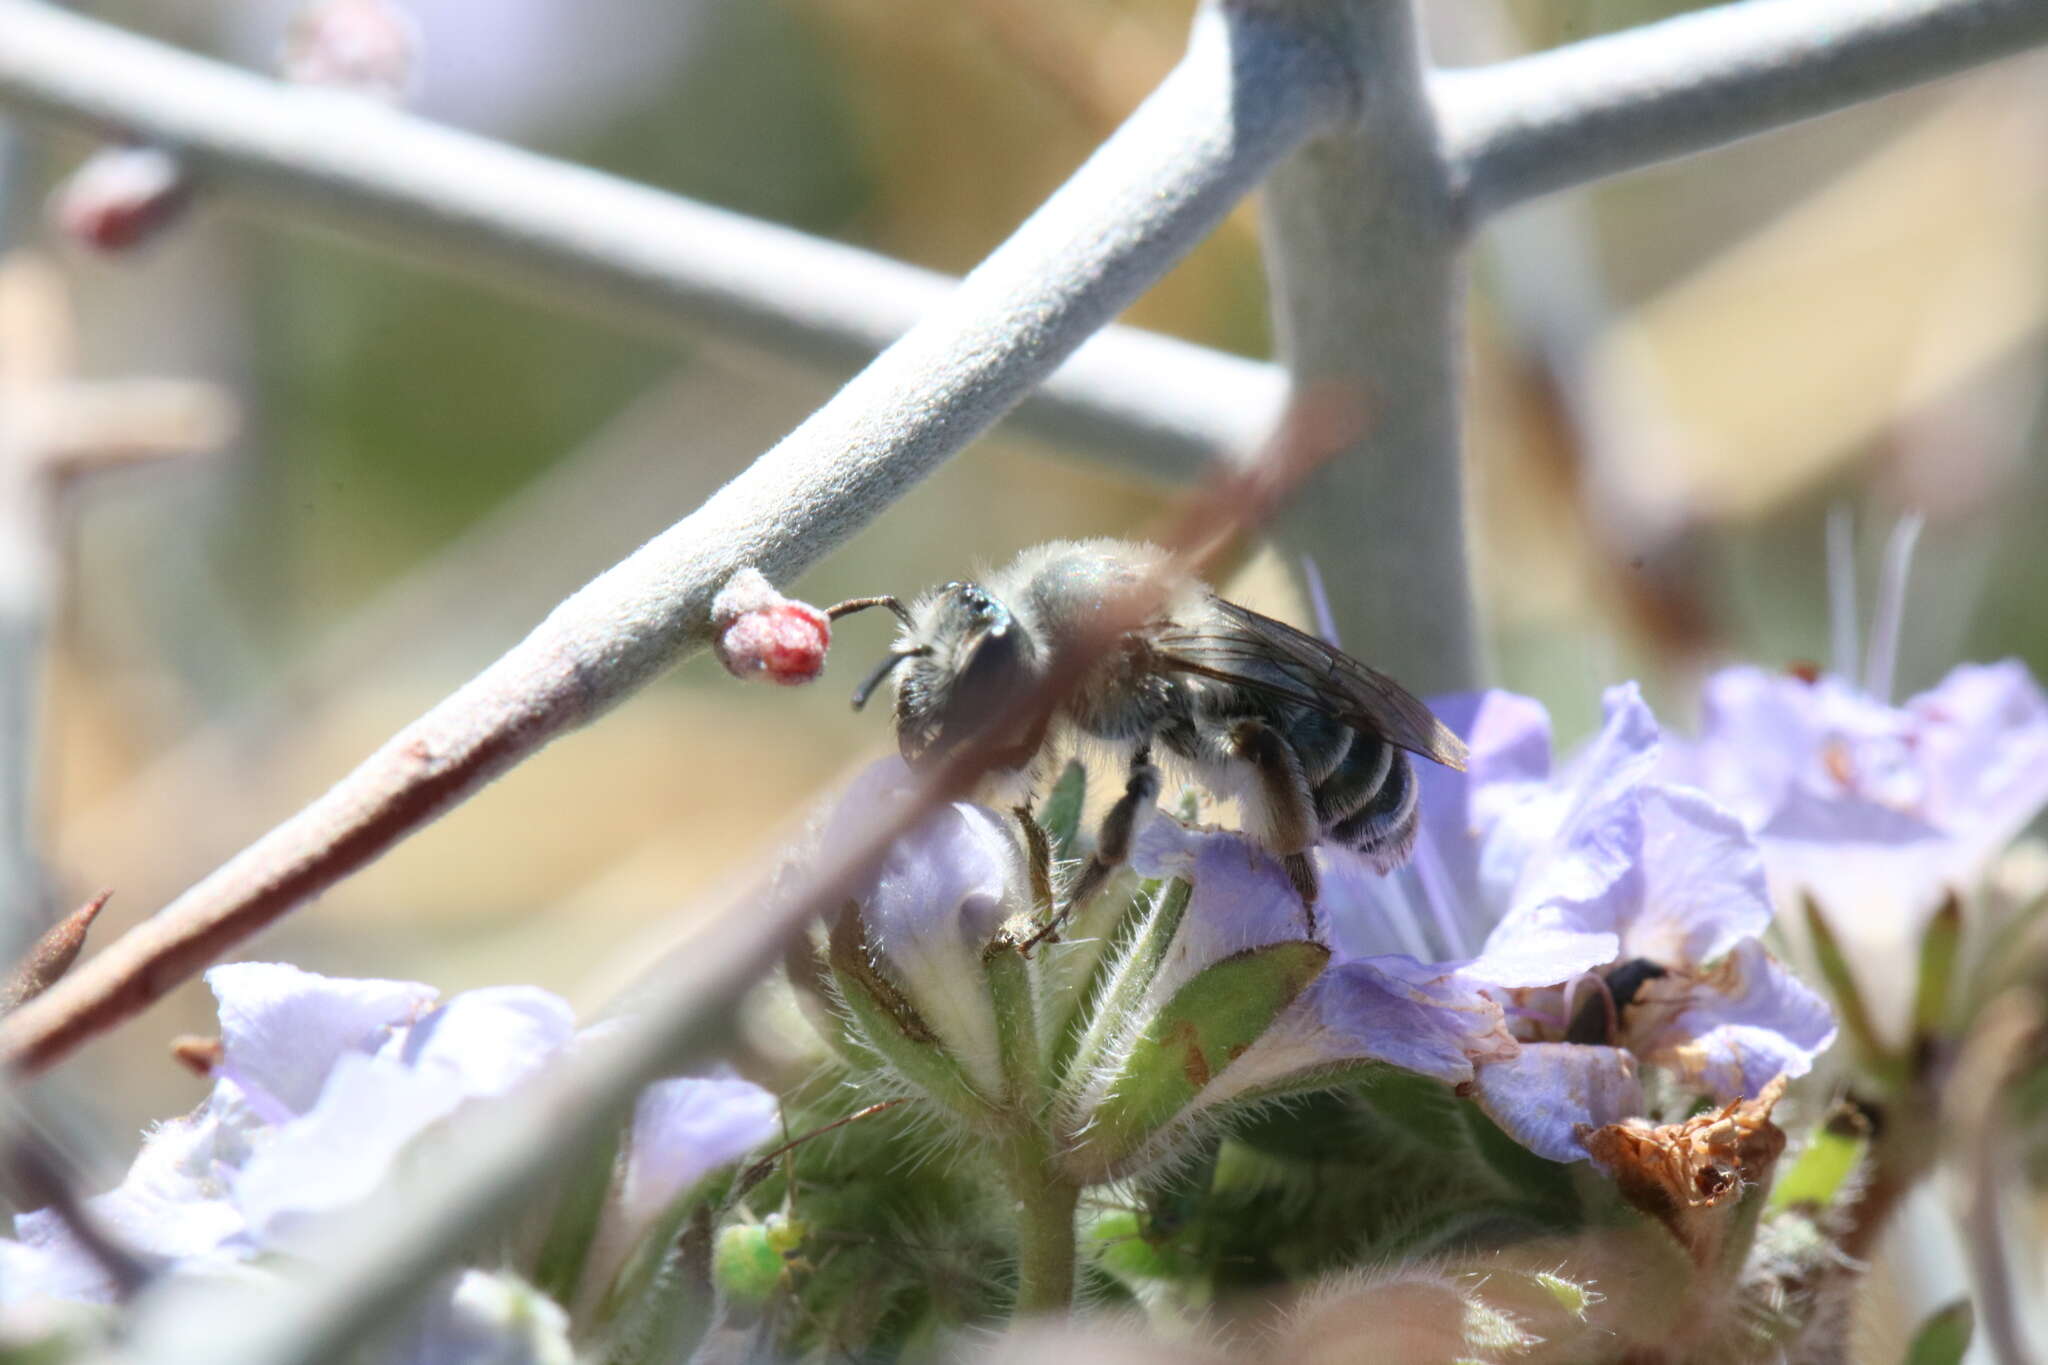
[
  {"x": 1355, "y": 779},
  {"x": 1383, "y": 826}
]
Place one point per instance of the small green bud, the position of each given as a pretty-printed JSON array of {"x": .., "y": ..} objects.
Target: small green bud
[
  {"x": 747, "y": 1263},
  {"x": 785, "y": 1234},
  {"x": 1572, "y": 1297},
  {"x": 1487, "y": 1329}
]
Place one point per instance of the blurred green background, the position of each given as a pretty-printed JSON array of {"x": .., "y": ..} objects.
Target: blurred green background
[{"x": 1674, "y": 377}]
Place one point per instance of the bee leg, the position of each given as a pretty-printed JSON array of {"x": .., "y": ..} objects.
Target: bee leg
[
  {"x": 1301, "y": 870},
  {"x": 1112, "y": 841},
  {"x": 1141, "y": 792},
  {"x": 1039, "y": 856},
  {"x": 1284, "y": 817}
]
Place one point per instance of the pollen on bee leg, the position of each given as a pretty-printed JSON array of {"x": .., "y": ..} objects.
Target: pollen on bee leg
[{"x": 760, "y": 635}]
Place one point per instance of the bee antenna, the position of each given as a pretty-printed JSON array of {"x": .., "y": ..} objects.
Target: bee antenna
[
  {"x": 854, "y": 604},
  {"x": 883, "y": 670}
]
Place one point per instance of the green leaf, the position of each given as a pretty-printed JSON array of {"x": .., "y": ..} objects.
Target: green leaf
[
  {"x": 1939, "y": 947},
  {"x": 1817, "y": 1176},
  {"x": 1124, "y": 1249},
  {"x": 1209, "y": 1021},
  {"x": 1944, "y": 1336}
]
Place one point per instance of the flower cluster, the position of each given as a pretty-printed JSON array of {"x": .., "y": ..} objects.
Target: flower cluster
[
  {"x": 322, "y": 1090},
  {"x": 1561, "y": 927},
  {"x": 1876, "y": 814}
]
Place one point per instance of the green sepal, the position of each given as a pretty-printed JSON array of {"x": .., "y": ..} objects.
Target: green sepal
[
  {"x": 565, "y": 1247},
  {"x": 1944, "y": 1338},
  {"x": 1017, "y": 1035},
  {"x": 891, "y": 1026},
  {"x": 1074, "y": 972},
  {"x": 1209, "y": 1021},
  {"x": 1121, "y": 989},
  {"x": 1059, "y": 815},
  {"x": 1881, "y": 1060},
  {"x": 664, "y": 1287},
  {"x": 1940, "y": 946}
]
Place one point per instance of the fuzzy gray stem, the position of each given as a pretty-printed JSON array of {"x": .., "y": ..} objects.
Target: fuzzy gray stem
[
  {"x": 1575, "y": 114},
  {"x": 1368, "y": 281},
  {"x": 589, "y": 241}
]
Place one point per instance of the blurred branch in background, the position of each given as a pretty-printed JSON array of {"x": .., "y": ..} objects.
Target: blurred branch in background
[
  {"x": 1961, "y": 186},
  {"x": 1512, "y": 131},
  {"x": 55, "y": 429},
  {"x": 1977, "y": 1113},
  {"x": 1369, "y": 296},
  {"x": 1542, "y": 123},
  {"x": 588, "y": 241},
  {"x": 1251, "y": 87}
]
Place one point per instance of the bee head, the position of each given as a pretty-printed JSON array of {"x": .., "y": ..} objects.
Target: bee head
[{"x": 965, "y": 661}]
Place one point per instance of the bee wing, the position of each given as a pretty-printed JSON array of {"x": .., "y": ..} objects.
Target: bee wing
[{"x": 1271, "y": 656}]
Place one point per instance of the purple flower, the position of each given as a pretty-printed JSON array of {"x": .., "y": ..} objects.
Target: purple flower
[
  {"x": 1877, "y": 812},
  {"x": 323, "y": 1088},
  {"x": 939, "y": 897},
  {"x": 1669, "y": 885},
  {"x": 682, "y": 1131},
  {"x": 1555, "y": 931},
  {"x": 1392, "y": 1007}
]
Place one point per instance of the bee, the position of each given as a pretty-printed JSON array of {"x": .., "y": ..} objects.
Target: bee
[{"x": 1313, "y": 745}]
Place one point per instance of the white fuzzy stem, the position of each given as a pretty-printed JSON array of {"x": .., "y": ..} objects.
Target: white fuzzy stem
[
  {"x": 1579, "y": 113},
  {"x": 1368, "y": 278}
]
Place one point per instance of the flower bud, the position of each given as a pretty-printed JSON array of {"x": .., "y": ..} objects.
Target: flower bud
[
  {"x": 750, "y": 1259},
  {"x": 760, "y": 634},
  {"x": 120, "y": 197},
  {"x": 370, "y": 47}
]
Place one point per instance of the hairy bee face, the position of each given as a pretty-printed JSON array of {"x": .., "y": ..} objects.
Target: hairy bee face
[{"x": 977, "y": 665}]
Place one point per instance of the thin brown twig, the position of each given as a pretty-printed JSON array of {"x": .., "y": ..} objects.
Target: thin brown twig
[{"x": 765, "y": 1165}]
